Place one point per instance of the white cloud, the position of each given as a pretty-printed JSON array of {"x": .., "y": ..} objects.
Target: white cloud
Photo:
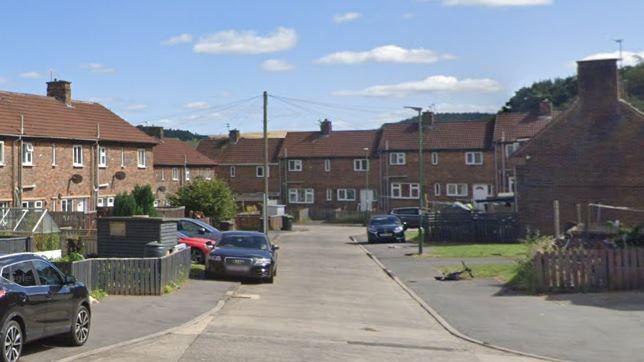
[
  {"x": 385, "y": 54},
  {"x": 629, "y": 58},
  {"x": 276, "y": 65},
  {"x": 31, "y": 75},
  {"x": 246, "y": 42},
  {"x": 97, "y": 68},
  {"x": 455, "y": 107},
  {"x": 496, "y": 3},
  {"x": 136, "y": 107},
  {"x": 178, "y": 39},
  {"x": 197, "y": 105},
  {"x": 436, "y": 83},
  {"x": 346, "y": 17}
]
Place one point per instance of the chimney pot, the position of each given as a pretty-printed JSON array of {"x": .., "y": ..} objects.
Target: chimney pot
[
  {"x": 61, "y": 90},
  {"x": 326, "y": 127},
  {"x": 233, "y": 136},
  {"x": 153, "y": 131},
  {"x": 598, "y": 86}
]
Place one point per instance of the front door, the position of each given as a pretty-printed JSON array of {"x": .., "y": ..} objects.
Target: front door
[
  {"x": 480, "y": 192},
  {"x": 366, "y": 200}
]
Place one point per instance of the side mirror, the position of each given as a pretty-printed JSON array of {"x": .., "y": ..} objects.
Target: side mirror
[
  {"x": 70, "y": 279},
  {"x": 275, "y": 247}
]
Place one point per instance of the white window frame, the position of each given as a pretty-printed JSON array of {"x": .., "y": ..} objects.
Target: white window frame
[
  {"x": 27, "y": 154},
  {"x": 102, "y": 156},
  {"x": 413, "y": 191},
  {"x": 175, "y": 174},
  {"x": 457, "y": 189},
  {"x": 434, "y": 157},
  {"x": 66, "y": 205},
  {"x": 77, "y": 155},
  {"x": 100, "y": 202},
  {"x": 186, "y": 173},
  {"x": 329, "y": 194},
  {"x": 162, "y": 175},
  {"x": 471, "y": 158},
  {"x": 1, "y": 153},
  {"x": 259, "y": 173},
  {"x": 512, "y": 184},
  {"x": 141, "y": 161},
  {"x": 110, "y": 201},
  {"x": 397, "y": 158},
  {"x": 295, "y": 165},
  {"x": 437, "y": 189},
  {"x": 233, "y": 171},
  {"x": 301, "y": 196},
  {"x": 361, "y": 164},
  {"x": 343, "y": 195},
  {"x": 122, "y": 157},
  {"x": 53, "y": 154},
  {"x": 327, "y": 165}
]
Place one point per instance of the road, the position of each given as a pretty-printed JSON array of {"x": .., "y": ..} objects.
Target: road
[{"x": 329, "y": 302}]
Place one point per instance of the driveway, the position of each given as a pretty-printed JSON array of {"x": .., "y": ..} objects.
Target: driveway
[
  {"x": 579, "y": 327},
  {"x": 329, "y": 302}
]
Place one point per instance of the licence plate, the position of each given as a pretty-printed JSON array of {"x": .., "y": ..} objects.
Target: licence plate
[
  {"x": 386, "y": 234},
  {"x": 237, "y": 268}
]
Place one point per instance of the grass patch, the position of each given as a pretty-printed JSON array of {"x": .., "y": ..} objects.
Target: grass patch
[
  {"x": 98, "y": 294},
  {"x": 197, "y": 271},
  {"x": 171, "y": 287},
  {"x": 477, "y": 250},
  {"x": 501, "y": 272},
  {"x": 412, "y": 235}
]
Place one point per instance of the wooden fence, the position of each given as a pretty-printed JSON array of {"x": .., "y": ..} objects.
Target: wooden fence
[
  {"x": 590, "y": 270},
  {"x": 18, "y": 244},
  {"x": 86, "y": 239},
  {"x": 131, "y": 276},
  {"x": 74, "y": 220},
  {"x": 467, "y": 228}
]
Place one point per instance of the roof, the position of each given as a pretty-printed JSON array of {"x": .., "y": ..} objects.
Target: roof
[
  {"x": 512, "y": 126},
  {"x": 442, "y": 135},
  {"x": 173, "y": 152},
  {"x": 46, "y": 117},
  {"x": 245, "y": 151},
  {"x": 335, "y": 144}
]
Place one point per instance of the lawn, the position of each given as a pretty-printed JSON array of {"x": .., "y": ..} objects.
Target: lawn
[
  {"x": 501, "y": 272},
  {"x": 476, "y": 250}
]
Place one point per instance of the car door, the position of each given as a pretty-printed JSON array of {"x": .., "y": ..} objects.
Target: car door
[
  {"x": 60, "y": 306},
  {"x": 191, "y": 229},
  {"x": 33, "y": 297}
]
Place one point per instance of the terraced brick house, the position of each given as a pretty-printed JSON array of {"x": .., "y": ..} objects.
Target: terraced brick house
[{"x": 67, "y": 155}]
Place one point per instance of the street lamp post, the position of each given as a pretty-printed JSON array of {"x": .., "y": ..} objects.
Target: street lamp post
[
  {"x": 366, "y": 181},
  {"x": 421, "y": 178}
]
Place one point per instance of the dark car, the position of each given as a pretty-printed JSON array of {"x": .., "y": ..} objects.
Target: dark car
[
  {"x": 245, "y": 254},
  {"x": 198, "y": 229},
  {"x": 38, "y": 301},
  {"x": 385, "y": 228},
  {"x": 408, "y": 215}
]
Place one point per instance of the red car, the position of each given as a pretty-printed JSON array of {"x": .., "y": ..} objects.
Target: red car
[{"x": 199, "y": 247}]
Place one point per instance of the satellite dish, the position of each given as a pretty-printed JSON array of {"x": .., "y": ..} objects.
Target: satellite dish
[
  {"x": 76, "y": 178},
  {"x": 120, "y": 175},
  {"x": 161, "y": 188}
]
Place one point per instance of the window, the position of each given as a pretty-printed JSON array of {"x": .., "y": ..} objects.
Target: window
[
  {"x": 437, "y": 189},
  {"x": 32, "y": 204},
  {"x": 140, "y": 158},
  {"x": 405, "y": 190},
  {"x": 1, "y": 153},
  {"x": 65, "y": 205},
  {"x": 175, "y": 174},
  {"x": 473, "y": 158},
  {"x": 361, "y": 164},
  {"x": 456, "y": 189},
  {"x": 22, "y": 274},
  {"x": 259, "y": 171},
  {"x": 77, "y": 151},
  {"x": 80, "y": 205},
  {"x": 346, "y": 194},
  {"x": 295, "y": 165},
  {"x": 162, "y": 175},
  {"x": 102, "y": 157},
  {"x": 38, "y": 204},
  {"x": 233, "y": 171},
  {"x": 122, "y": 157},
  {"x": 511, "y": 148},
  {"x": 397, "y": 158},
  {"x": 27, "y": 154},
  {"x": 99, "y": 202},
  {"x": 53, "y": 154},
  {"x": 434, "y": 157},
  {"x": 329, "y": 195},
  {"x": 110, "y": 201},
  {"x": 47, "y": 274},
  {"x": 327, "y": 165},
  {"x": 300, "y": 196},
  {"x": 187, "y": 173}
]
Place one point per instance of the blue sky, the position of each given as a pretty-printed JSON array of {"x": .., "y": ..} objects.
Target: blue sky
[{"x": 200, "y": 65}]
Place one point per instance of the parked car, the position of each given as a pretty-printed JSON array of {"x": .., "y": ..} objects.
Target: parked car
[
  {"x": 408, "y": 215},
  {"x": 198, "y": 229},
  {"x": 199, "y": 247},
  {"x": 246, "y": 254},
  {"x": 386, "y": 228},
  {"x": 38, "y": 301}
]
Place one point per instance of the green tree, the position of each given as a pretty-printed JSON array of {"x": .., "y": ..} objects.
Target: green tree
[
  {"x": 144, "y": 198},
  {"x": 124, "y": 205},
  {"x": 212, "y": 197}
]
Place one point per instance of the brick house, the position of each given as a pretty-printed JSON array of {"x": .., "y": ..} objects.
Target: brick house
[
  {"x": 458, "y": 161},
  {"x": 66, "y": 155},
  {"x": 592, "y": 152},
  {"x": 175, "y": 164},
  {"x": 511, "y": 130},
  {"x": 329, "y": 170},
  {"x": 240, "y": 162}
]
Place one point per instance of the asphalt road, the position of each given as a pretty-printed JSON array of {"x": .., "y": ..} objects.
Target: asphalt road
[
  {"x": 578, "y": 327},
  {"x": 329, "y": 302}
]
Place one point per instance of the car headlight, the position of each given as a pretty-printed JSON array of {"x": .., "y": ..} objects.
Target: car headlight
[
  {"x": 215, "y": 258},
  {"x": 398, "y": 229},
  {"x": 262, "y": 261}
]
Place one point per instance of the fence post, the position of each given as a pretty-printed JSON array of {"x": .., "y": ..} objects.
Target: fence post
[{"x": 538, "y": 271}]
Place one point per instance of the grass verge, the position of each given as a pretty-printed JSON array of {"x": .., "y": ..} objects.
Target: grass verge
[
  {"x": 98, "y": 294},
  {"x": 476, "y": 250},
  {"x": 197, "y": 271}
]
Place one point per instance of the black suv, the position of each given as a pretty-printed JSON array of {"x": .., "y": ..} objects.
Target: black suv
[
  {"x": 408, "y": 215},
  {"x": 37, "y": 301}
]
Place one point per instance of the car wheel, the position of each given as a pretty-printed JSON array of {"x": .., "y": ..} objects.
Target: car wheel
[
  {"x": 403, "y": 240},
  {"x": 80, "y": 327},
  {"x": 197, "y": 256},
  {"x": 12, "y": 341}
]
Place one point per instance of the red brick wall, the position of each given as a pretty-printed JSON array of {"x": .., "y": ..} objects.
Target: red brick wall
[
  {"x": 246, "y": 180},
  {"x": 163, "y": 177}
]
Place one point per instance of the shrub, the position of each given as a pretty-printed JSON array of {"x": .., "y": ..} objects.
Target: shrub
[
  {"x": 144, "y": 199},
  {"x": 525, "y": 278},
  {"x": 212, "y": 197},
  {"x": 124, "y": 205}
]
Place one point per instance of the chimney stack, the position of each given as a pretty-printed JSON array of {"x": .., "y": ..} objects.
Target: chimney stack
[
  {"x": 153, "y": 131},
  {"x": 61, "y": 90},
  {"x": 545, "y": 108},
  {"x": 598, "y": 86},
  {"x": 326, "y": 127},
  {"x": 427, "y": 119},
  {"x": 233, "y": 136}
]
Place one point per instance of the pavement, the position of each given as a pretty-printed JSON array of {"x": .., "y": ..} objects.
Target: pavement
[
  {"x": 577, "y": 327},
  {"x": 123, "y": 318},
  {"x": 329, "y": 302}
]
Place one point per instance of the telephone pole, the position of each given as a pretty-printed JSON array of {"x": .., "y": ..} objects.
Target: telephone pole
[
  {"x": 421, "y": 179},
  {"x": 265, "y": 201}
]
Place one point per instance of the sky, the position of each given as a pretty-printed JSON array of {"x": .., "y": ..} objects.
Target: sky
[{"x": 203, "y": 65}]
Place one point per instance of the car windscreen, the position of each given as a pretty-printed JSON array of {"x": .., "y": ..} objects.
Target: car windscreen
[
  {"x": 205, "y": 225},
  {"x": 243, "y": 241},
  {"x": 385, "y": 220}
]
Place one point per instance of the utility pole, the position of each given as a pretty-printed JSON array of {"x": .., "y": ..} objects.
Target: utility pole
[
  {"x": 366, "y": 181},
  {"x": 421, "y": 179},
  {"x": 265, "y": 203}
]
